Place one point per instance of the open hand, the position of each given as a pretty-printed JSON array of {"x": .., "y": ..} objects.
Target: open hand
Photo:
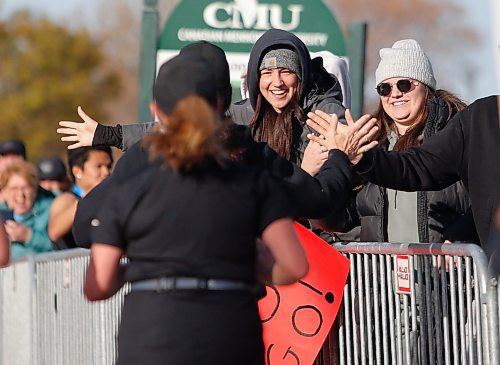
[
  {"x": 353, "y": 139},
  {"x": 80, "y": 133}
]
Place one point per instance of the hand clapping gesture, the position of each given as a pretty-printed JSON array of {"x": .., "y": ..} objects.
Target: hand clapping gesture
[{"x": 353, "y": 139}]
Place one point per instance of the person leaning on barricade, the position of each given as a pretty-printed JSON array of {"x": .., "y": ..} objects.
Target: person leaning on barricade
[
  {"x": 466, "y": 150},
  {"x": 410, "y": 110},
  {"x": 177, "y": 221}
]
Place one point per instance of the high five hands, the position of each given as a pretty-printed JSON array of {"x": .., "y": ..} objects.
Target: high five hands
[
  {"x": 80, "y": 133},
  {"x": 353, "y": 139}
]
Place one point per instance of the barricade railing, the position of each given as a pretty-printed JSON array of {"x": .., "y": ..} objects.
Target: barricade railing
[
  {"x": 45, "y": 318},
  {"x": 415, "y": 304},
  {"x": 402, "y": 305}
]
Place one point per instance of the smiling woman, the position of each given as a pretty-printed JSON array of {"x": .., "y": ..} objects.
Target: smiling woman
[
  {"x": 27, "y": 228},
  {"x": 284, "y": 84},
  {"x": 410, "y": 110}
]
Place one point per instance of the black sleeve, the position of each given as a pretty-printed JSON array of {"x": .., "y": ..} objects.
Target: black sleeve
[
  {"x": 108, "y": 135},
  {"x": 462, "y": 230},
  {"x": 273, "y": 202},
  {"x": 434, "y": 165},
  {"x": 87, "y": 210},
  {"x": 342, "y": 218},
  {"x": 311, "y": 197},
  {"x": 108, "y": 226},
  {"x": 316, "y": 197}
]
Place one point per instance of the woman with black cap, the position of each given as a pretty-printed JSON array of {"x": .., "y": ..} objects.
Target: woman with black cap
[{"x": 190, "y": 299}]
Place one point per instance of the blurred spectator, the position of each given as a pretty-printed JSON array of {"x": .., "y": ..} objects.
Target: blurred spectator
[
  {"x": 53, "y": 176},
  {"x": 10, "y": 151},
  {"x": 27, "y": 225},
  {"x": 89, "y": 166}
]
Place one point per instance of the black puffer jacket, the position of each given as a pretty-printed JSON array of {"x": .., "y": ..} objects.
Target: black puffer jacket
[
  {"x": 441, "y": 215},
  {"x": 318, "y": 89}
]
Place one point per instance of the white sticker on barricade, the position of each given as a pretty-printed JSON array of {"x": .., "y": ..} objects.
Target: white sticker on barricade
[
  {"x": 403, "y": 274},
  {"x": 66, "y": 273}
]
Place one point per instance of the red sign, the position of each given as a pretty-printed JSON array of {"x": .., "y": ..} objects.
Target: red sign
[{"x": 297, "y": 318}]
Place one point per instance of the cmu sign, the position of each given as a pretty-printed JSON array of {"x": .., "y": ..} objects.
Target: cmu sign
[
  {"x": 235, "y": 25},
  {"x": 251, "y": 15}
]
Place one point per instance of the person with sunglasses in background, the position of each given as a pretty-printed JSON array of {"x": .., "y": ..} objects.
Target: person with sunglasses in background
[{"x": 410, "y": 110}]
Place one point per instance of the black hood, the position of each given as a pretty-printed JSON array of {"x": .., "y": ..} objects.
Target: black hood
[{"x": 271, "y": 39}]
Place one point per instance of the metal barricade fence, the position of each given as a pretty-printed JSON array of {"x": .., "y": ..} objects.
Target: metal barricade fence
[
  {"x": 404, "y": 305},
  {"x": 442, "y": 315},
  {"x": 45, "y": 318}
]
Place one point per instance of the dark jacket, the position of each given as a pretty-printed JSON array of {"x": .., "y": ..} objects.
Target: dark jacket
[
  {"x": 318, "y": 88},
  {"x": 466, "y": 150}
]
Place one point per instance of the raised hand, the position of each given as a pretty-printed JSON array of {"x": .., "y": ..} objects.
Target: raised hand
[
  {"x": 80, "y": 133},
  {"x": 353, "y": 139}
]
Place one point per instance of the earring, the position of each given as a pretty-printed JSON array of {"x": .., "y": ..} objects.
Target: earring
[{"x": 78, "y": 176}]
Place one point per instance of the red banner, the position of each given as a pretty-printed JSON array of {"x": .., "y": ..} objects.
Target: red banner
[{"x": 297, "y": 318}]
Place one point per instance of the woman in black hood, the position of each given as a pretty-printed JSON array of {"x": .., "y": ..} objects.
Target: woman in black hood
[{"x": 283, "y": 128}]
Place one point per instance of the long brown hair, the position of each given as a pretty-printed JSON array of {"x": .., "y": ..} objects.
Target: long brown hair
[
  {"x": 276, "y": 129},
  {"x": 192, "y": 137},
  {"x": 412, "y": 137}
]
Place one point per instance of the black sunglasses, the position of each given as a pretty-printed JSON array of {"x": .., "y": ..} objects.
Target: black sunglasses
[{"x": 403, "y": 85}]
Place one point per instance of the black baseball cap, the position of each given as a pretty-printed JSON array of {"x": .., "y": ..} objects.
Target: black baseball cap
[
  {"x": 51, "y": 168},
  {"x": 215, "y": 57},
  {"x": 13, "y": 147},
  {"x": 183, "y": 76}
]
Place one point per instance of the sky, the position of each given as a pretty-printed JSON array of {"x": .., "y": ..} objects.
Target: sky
[{"x": 483, "y": 15}]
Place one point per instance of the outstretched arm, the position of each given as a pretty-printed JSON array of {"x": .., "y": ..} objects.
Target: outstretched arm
[
  {"x": 433, "y": 165},
  {"x": 90, "y": 133}
]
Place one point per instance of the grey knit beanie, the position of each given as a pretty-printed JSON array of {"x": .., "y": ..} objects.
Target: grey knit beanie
[
  {"x": 282, "y": 57},
  {"x": 405, "y": 59}
]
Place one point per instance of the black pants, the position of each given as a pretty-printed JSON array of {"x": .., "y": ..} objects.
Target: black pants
[{"x": 190, "y": 327}]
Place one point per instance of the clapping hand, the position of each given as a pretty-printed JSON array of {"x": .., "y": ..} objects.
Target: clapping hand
[{"x": 353, "y": 139}]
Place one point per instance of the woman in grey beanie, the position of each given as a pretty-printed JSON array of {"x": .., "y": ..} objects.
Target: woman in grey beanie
[{"x": 410, "y": 110}]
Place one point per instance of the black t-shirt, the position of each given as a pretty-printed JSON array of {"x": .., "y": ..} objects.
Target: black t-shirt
[{"x": 203, "y": 223}]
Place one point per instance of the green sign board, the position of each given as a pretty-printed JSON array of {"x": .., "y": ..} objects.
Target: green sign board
[{"x": 235, "y": 25}]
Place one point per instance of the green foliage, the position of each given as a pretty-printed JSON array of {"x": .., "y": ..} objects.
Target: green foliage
[{"x": 46, "y": 71}]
